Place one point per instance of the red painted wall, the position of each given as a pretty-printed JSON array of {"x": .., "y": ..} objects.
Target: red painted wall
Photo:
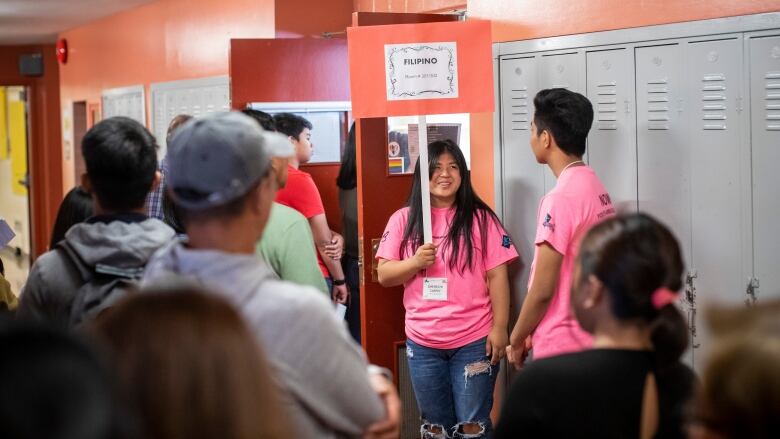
[
  {"x": 307, "y": 18},
  {"x": 527, "y": 19},
  {"x": 45, "y": 158},
  {"x": 162, "y": 41}
]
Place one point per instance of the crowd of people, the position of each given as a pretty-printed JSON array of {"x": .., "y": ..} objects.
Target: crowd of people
[{"x": 196, "y": 297}]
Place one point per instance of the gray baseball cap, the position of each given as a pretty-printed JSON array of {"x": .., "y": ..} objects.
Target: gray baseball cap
[{"x": 217, "y": 158}]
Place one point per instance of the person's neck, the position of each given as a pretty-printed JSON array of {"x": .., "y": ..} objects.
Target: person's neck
[
  {"x": 559, "y": 162},
  {"x": 612, "y": 334},
  {"x": 441, "y": 203},
  {"x": 224, "y": 236},
  {"x": 294, "y": 163},
  {"x": 99, "y": 210}
]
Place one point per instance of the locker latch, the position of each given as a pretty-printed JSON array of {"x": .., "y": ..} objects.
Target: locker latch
[
  {"x": 751, "y": 291},
  {"x": 690, "y": 301}
]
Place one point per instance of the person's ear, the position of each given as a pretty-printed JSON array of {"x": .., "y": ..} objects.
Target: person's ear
[
  {"x": 595, "y": 293},
  {"x": 546, "y": 139}
]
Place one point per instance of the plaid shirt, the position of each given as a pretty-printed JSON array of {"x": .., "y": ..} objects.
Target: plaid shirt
[{"x": 155, "y": 198}]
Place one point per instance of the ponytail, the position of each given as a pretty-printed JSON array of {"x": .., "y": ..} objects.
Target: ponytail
[
  {"x": 636, "y": 258},
  {"x": 669, "y": 334}
]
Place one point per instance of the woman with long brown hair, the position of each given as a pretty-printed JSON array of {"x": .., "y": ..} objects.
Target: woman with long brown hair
[{"x": 190, "y": 368}]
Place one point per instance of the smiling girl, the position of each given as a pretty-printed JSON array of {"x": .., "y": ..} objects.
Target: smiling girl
[{"x": 456, "y": 296}]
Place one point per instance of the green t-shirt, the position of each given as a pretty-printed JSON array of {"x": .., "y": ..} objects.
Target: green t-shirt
[{"x": 288, "y": 247}]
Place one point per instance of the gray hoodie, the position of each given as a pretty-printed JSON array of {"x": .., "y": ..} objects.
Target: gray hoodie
[
  {"x": 322, "y": 374},
  {"x": 54, "y": 280}
]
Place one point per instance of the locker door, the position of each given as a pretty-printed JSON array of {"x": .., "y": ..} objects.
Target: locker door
[
  {"x": 522, "y": 176},
  {"x": 720, "y": 170},
  {"x": 765, "y": 122},
  {"x": 663, "y": 153},
  {"x": 565, "y": 70},
  {"x": 612, "y": 139}
]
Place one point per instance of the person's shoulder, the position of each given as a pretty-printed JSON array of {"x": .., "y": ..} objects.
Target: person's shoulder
[
  {"x": 680, "y": 375},
  {"x": 287, "y": 213},
  {"x": 288, "y": 298},
  {"x": 562, "y": 367},
  {"x": 401, "y": 214},
  {"x": 53, "y": 260}
]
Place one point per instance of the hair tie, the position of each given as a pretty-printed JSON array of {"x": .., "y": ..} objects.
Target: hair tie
[{"x": 663, "y": 296}]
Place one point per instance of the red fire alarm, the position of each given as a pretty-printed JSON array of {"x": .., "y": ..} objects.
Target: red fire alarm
[{"x": 62, "y": 50}]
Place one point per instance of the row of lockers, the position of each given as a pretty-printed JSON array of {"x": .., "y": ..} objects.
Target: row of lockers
[
  {"x": 687, "y": 130},
  {"x": 195, "y": 97}
]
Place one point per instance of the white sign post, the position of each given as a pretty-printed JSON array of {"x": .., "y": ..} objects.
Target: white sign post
[
  {"x": 422, "y": 71},
  {"x": 425, "y": 189}
]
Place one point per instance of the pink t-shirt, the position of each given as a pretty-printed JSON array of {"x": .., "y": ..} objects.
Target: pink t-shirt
[
  {"x": 466, "y": 315},
  {"x": 577, "y": 201}
]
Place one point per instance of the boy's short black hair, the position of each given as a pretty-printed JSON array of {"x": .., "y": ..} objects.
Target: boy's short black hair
[
  {"x": 291, "y": 124},
  {"x": 120, "y": 155},
  {"x": 264, "y": 119},
  {"x": 566, "y": 115}
]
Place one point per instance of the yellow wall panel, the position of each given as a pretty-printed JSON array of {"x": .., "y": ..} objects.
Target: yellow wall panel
[{"x": 17, "y": 128}]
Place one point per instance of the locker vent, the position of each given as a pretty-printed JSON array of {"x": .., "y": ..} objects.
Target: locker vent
[
  {"x": 519, "y": 101},
  {"x": 607, "y": 105},
  {"x": 772, "y": 101},
  {"x": 658, "y": 104},
  {"x": 410, "y": 418},
  {"x": 714, "y": 101}
]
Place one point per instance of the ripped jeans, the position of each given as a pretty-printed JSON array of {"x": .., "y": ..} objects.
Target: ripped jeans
[{"x": 454, "y": 389}]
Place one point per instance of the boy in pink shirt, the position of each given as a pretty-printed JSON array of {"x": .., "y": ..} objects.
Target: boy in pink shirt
[{"x": 562, "y": 120}]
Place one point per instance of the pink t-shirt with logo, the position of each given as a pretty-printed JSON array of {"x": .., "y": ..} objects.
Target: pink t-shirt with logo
[
  {"x": 466, "y": 315},
  {"x": 577, "y": 201}
]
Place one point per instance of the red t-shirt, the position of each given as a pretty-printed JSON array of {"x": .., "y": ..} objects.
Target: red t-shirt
[{"x": 301, "y": 194}]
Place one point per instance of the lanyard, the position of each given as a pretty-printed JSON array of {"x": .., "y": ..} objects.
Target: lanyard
[{"x": 572, "y": 163}]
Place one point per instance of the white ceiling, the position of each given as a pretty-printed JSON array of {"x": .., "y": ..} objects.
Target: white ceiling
[{"x": 39, "y": 21}]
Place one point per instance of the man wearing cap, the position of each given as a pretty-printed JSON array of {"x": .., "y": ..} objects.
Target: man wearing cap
[
  {"x": 287, "y": 244},
  {"x": 221, "y": 178}
]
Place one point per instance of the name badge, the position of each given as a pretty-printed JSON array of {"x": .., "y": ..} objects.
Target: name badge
[{"x": 435, "y": 288}]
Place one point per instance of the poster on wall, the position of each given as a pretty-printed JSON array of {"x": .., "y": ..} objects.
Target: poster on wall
[{"x": 403, "y": 148}]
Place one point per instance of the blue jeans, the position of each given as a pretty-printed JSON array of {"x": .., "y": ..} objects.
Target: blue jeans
[{"x": 453, "y": 387}]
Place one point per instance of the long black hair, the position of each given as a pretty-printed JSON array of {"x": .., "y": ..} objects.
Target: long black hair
[
  {"x": 74, "y": 209},
  {"x": 347, "y": 178},
  {"x": 634, "y": 255},
  {"x": 468, "y": 206}
]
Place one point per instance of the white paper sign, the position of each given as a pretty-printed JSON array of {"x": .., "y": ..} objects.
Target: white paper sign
[{"x": 421, "y": 71}]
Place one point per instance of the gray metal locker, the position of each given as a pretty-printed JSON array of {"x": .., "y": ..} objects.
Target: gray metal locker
[
  {"x": 522, "y": 176},
  {"x": 663, "y": 151},
  {"x": 662, "y": 147},
  {"x": 720, "y": 169},
  {"x": 560, "y": 70},
  {"x": 765, "y": 116},
  {"x": 612, "y": 139}
]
